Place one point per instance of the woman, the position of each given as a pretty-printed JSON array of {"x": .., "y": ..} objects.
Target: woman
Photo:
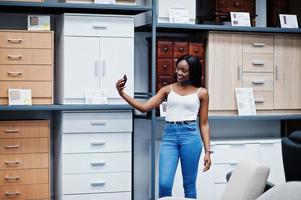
[{"x": 186, "y": 100}]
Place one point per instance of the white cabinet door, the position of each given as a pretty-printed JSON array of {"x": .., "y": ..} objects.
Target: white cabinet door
[
  {"x": 116, "y": 59},
  {"x": 81, "y": 63}
]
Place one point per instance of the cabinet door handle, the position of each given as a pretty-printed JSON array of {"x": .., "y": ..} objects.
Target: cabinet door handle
[
  {"x": 239, "y": 72},
  {"x": 258, "y": 82},
  {"x": 12, "y": 146},
  {"x": 12, "y": 178},
  {"x": 99, "y": 163},
  {"x": 96, "y": 69},
  {"x": 12, "y": 131},
  {"x": 258, "y": 62},
  {"x": 15, "y": 162},
  {"x": 276, "y": 72},
  {"x": 258, "y": 44},
  {"x": 14, "y": 73},
  {"x": 96, "y": 184},
  {"x": 98, "y": 123},
  {"x": 14, "y": 57},
  {"x": 14, "y": 40},
  {"x": 99, "y": 26},
  {"x": 103, "y": 68},
  {"x": 259, "y": 100},
  {"x": 97, "y": 143},
  {"x": 9, "y": 194}
]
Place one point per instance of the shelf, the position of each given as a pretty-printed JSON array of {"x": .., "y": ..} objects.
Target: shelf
[
  {"x": 171, "y": 27},
  {"x": 60, "y": 7},
  {"x": 74, "y": 107}
]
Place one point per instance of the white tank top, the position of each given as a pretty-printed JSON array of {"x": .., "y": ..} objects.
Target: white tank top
[{"x": 182, "y": 108}]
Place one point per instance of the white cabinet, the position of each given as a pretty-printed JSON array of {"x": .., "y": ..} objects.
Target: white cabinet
[{"x": 94, "y": 52}]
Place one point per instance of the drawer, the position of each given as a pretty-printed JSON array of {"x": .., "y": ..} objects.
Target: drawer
[
  {"x": 24, "y": 177},
  {"x": 96, "y": 183},
  {"x": 24, "y": 129},
  {"x": 254, "y": 62},
  {"x": 24, "y": 161},
  {"x": 25, "y": 145},
  {"x": 26, "y": 56},
  {"x": 180, "y": 49},
  {"x": 89, "y": 143},
  {"x": 38, "y": 89},
  {"x": 258, "y": 81},
  {"x": 235, "y": 6},
  {"x": 106, "y": 196},
  {"x": 29, "y": 39},
  {"x": 22, "y": 192},
  {"x": 258, "y": 43},
  {"x": 164, "y": 49},
  {"x": 163, "y": 81},
  {"x": 94, "y": 163},
  {"x": 221, "y": 171},
  {"x": 165, "y": 67},
  {"x": 97, "y": 122},
  {"x": 264, "y": 100},
  {"x": 25, "y": 73},
  {"x": 234, "y": 152},
  {"x": 97, "y": 25},
  {"x": 197, "y": 49}
]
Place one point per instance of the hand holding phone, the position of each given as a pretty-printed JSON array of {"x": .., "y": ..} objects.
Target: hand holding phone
[{"x": 125, "y": 78}]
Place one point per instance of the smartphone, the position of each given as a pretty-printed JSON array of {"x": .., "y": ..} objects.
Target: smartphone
[{"x": 125, "y": 78}]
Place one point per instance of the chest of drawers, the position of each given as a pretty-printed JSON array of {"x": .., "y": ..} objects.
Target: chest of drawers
[{"x": 26, "y": 62}]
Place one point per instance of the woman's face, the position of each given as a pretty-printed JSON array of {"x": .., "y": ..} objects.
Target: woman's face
[{"x": 182, "y": 71}]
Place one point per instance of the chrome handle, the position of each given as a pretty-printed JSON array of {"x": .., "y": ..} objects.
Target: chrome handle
[
  {"x": 97, "y": 143},
  {"x": 9, "y": 178},
  {"x": 239, "y": 72},
  {"x": 276, "y": 72},
  {"x": 12, "y": 146},
  {"x": 258, "y": 82},
  {"x": 258, "y": 62},
  {"x": 95, "y": 184},
  {"x": 12, "y": 131},
  {"x": 96, "y": 69},
  {"x": 101, "y": 26},
  {"x": 14, "y": 73},
  {"x": 15, "y": 162},
  {"x": 181, "y": 49},
  {"x": 258, "y": 44},
  {"x": 103, "y": 68},
  {"x": 259, "y": 100},
  {"x": 101, "y": 163},
  {"x": 12, "y": 193},
  {"x": 98, "y": 123},
  {"x": 14, "y": 57},
  {"x": 14, "y": 40},
  {"x": 165, "y": 49}
]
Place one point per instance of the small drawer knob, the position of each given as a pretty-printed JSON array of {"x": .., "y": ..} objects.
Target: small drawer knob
[
  {"x": 236, "y": 4},
  {"x": 181, "y": 49},
  {"x": 165, "y": 49}
]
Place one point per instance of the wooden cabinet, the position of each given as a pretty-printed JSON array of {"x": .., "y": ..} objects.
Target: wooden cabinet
[
  {"x": 26, "y": 62},
  {"x": 219, "y": 10},
  {"x": 95, "y": 155},
  {"x": 24, "y": 160},
  {"x": 110, "y": 41}
]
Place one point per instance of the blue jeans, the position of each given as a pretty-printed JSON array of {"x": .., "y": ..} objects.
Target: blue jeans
[{"x": 179, "y": 141}]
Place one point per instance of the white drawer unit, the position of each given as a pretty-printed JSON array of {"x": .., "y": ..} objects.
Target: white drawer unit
[{"x": 94, "y": 152}]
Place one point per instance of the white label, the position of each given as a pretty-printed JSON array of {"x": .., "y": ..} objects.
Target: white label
[
  {"x": 245, "y": 101},
  {"x": 96, "y": 96},
  {"x": 19, "y": 97},
  {"x": 178, "y": 15},
  {"x": 240, "y": 19},
  {"x": 288, "y": 21},
  {"x": 38, "y": 22}
]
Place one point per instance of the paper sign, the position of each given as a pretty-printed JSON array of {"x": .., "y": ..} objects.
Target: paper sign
[
  {"x": 96, "y": 96},
  {"x": 288, "y": 21},
  {"x": 19, "y": 97},
  {"x": 163, "y": 106},
  {"x": 240, "y": 19},
  {"x": 245, "y": 101},
  {"x": 178, "y": 15},
  {"x": 38, "y": 22}
]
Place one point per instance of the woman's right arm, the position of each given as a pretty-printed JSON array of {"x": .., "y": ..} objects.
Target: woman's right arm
[{"x": 150, "y": 104}]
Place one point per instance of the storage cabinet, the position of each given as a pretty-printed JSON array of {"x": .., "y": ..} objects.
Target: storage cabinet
[
  {"x": 94, "y": 155},
  {"x": 24, "y": 160},
  {"x": 110, "y": 44},
  {"x": 26, "y": 62}
]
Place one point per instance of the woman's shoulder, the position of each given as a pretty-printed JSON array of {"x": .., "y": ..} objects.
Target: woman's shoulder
[{"x": 203, "y": 93}]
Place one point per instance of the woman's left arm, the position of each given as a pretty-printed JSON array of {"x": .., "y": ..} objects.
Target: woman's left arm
[{"x": 204, "y": 126}]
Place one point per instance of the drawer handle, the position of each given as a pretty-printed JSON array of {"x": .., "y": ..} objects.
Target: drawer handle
[
  {"x": 196, "y": 50},
  {"x": 94, "y": 164},
  {"x": 276, "y": 72},
  {"x": 165, "y": 49},
  {"x": 258, "y": 82},
  {"x": 258, "y": 44},
  {"x": 14, "y": 57},
  {"x": 258, "y": 62},
  {"x": 14, "y": 40},
  {"x": 98, "y": 123},
  {"x": 181, "y": 49},
  {"x": 9, "y": 194},
  {"x": 14, "y": 73},
  {"x": 236, "y": 4},
  {"x": 12, "y": 131},
  {"x": 15, "y": 162},
  {"x": 165, "y": 66},
  {"x": 96, "y": 184},
  {"x": 12, "y": 178},
  {"x": 97, "y": 143},
  {"x": 100, "y": 26},
  {"x": 259, "y": 100},
  {"x": 12, "y": 146}
]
